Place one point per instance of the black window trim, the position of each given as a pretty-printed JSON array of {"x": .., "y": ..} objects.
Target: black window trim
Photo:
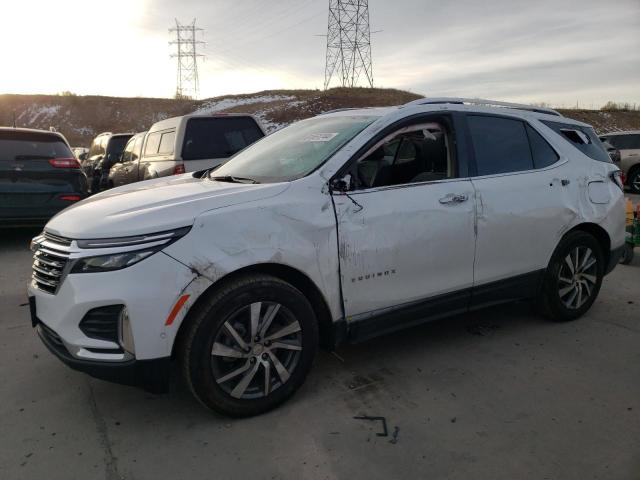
[
  {"x": 473, "y": 170},
  {"x": 458, "y": 146}
]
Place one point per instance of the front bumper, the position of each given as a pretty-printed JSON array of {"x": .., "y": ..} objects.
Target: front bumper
[
  {"x": 152, "y": 375},
  {"x": 148, "y": 289}
]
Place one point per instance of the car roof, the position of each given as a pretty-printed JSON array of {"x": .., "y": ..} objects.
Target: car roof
[
  {"x": 173, "y": 122},
  {"x": 33, "y": 130},
  {"x": 426, "y": 105}
]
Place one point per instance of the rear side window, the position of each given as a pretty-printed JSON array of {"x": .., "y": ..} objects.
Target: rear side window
[
  {"x": 582, "y": 138},
  {"x": 153, "y": 142},
  {"x": 500, "y": 145},
  {"x": 167, "y": 140},
  {"x": 543, "y": 154},
  {"x": 218, "y": 137},
  {"x": 624, "y": 142},
  {"x": 16, "y": 145}
]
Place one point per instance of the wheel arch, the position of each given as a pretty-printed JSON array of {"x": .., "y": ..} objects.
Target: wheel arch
[
  {"x": 600, "y": 234},
  {"x": 291, "y": 275}
]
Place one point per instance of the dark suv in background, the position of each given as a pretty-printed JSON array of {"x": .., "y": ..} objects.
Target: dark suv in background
[
  {"x": 39, "y": 175},
  {"x": 628, "y": 143},
  {"x": 104, "y": 152}
]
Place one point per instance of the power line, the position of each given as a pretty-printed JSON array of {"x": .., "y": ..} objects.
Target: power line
[
  {"x": 348, "y": 43},
  {"x": 187, "y": 55}
]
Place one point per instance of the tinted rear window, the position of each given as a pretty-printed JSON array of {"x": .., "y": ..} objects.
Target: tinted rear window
[
  {"x": 25, "y": 145},
  {"x": 624, "y": 142},
  {"x": 218, "y": 137},
  {"x": 501, "y": 145},
  {"x": 582, "y": 138},
  {"x": 116, "y": 145}
]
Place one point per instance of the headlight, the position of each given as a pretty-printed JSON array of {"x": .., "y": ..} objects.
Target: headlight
[
  {"x": 105, "y": 263},
  {"x": 135, "y": 248}
]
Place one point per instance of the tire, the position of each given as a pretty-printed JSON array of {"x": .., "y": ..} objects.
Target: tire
[
  {"x": 633, "y": 180},
  {"x": 557, "y": 299},
  {"x": 221, "y": 340},
  {"x": 627, "y": 254}
]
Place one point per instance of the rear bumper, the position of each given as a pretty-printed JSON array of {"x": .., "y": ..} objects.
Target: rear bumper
[
  {"x": 151, "y": 375},
  {"x": 614, "y": 258}
]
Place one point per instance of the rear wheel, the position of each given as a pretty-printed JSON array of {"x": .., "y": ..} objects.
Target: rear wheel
[
  {"x": 634, "y": 179},
  {"x": 627, "y": 254},
  {"x": 573, "y": 278},
  {"x": 250, "y": 347}
]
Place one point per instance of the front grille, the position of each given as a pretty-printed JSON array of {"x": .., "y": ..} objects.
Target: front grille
[
  {"x": 49, "y": 261},
  {"x": 65, "y": 242},
  {"x": 102, "y": 323}
]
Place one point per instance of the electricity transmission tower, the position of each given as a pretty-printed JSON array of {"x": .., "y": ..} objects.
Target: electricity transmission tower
[
  {"x": 348, "y": 43},
  {"x": 188, "y": 85}
]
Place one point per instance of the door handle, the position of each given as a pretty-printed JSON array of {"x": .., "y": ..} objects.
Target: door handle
[{"x": 453, "y": 198}]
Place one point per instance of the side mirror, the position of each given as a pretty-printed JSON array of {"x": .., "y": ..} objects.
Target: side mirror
[{"x": 342, "y": 184}]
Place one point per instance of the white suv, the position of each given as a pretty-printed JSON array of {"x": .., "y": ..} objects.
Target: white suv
[{"x": 335, "y": 229}]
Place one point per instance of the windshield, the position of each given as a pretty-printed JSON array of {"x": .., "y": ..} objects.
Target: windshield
[{"x": 295, "y": 151}]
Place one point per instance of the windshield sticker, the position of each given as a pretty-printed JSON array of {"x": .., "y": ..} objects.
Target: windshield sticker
[{"x": 319, "y": 137}]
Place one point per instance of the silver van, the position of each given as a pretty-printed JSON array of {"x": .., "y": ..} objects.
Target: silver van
[{"x": 195, "y": 142}]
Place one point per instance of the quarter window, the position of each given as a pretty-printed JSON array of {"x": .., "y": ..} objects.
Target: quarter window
[
  {"x": 153, "y": 142},
  {"x": 543, "y": 154},
  {"x": 500, "y": 145},
  {"x": 166, "y": 143}
]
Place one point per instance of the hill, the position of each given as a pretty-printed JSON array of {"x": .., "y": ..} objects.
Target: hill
[{"x": 80, "y": 118}]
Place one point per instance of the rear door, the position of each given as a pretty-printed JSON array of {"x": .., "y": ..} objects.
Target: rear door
[
  {"x": 34, "y": 172},
  {"x": 209, "y": 142},
  {"x": 522, "y": 205}
]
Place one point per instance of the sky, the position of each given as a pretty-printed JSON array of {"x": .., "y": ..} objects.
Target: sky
[{"x": 560, "y": 52}]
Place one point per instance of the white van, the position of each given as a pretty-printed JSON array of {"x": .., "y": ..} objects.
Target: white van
[{"x": 195, "y": 142}]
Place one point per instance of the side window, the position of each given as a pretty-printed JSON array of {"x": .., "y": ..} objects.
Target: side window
[
  {"x": 543, "y": 154},
  {"x": 414, "y": 154},
  {"x": 153, "y": 142},
  {"x": 500, "y": 145},
  {"x": 135, "y": 154},
  {"x": 128, "y": 149},
  {"x": 166, "y": 143},
  {"x": 582, "y": 138}
]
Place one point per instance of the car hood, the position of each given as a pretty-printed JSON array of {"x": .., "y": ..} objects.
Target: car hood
[{"x": 153, "y": 206}]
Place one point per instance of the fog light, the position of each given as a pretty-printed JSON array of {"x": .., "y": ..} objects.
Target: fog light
[{"x": 126, "y": 335}]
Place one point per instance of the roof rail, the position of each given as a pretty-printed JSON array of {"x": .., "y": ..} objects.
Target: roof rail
[
  {"x": 341, "y": 110},
  {"x": 480, "y": 101}
]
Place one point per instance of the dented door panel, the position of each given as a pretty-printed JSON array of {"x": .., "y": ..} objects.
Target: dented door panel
[{"x": 401, "y": 244}]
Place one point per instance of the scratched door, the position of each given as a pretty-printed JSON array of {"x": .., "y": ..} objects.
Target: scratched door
[{"x": 405, "y": 243}]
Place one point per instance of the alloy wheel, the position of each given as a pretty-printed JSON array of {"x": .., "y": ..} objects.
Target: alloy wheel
[
  {"x": 578, "y": 277},
  {"x": 256, "y": 350}
]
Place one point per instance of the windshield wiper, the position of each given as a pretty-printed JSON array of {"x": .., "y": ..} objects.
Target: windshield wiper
[{"x": 232, "y": 179}]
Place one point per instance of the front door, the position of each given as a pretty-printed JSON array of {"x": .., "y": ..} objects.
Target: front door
[{"x": 406, "y": 230}]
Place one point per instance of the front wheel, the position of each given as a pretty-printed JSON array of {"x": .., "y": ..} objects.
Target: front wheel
[
  {"x": 249, "y": 347},
  {"x": 573, "y": 278}
]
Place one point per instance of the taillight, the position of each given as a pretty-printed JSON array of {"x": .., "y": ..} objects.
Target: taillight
[
  {"x": 179, "y": 169},
  {"x": 64, "y": 163},
  {"x": 70, "y": 198},
  {"x": 618, "y": 178}
]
